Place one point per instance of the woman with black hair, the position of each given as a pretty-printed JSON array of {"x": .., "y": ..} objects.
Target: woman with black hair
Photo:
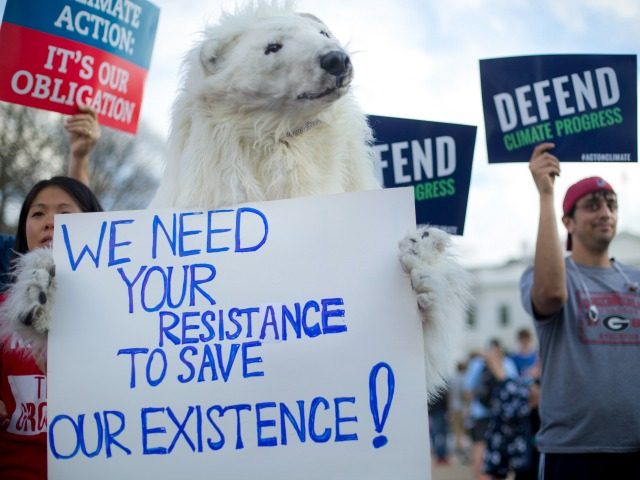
[
  {"x": 23, "y": 381},
  {"x": 83, "y": 131}
]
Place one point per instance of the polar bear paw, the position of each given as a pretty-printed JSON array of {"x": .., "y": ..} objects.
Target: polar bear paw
[
  {"x": 424, "y": 246},
  {"x": 29, "y": 300},
  {"x": 442, "y": 293},
  {"x": 421, "y": 252},
  {"x": 427, "y": 299}
]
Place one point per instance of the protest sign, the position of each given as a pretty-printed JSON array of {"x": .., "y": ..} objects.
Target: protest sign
[
  {"x": 585, "y": 104},
  {"x": 276, "y": 340},
  {"x": 60, "y": 53},
  {"x": 435, "y": 158}
]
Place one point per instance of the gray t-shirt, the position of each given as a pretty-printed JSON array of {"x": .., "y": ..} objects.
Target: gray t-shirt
[{"x": 590, "y": 384}]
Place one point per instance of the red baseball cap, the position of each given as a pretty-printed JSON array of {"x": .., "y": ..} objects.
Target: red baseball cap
[{"x": 578, "y": 190}]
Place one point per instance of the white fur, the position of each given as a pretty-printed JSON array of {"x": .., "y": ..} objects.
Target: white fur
[
  {"x": 231, "y": 142},
  {"x": 27, "y": 308},
  {"x": 443, "y": 289},
  {"x": 231, "y": 138},
  {"x": 247, "y": 126}
]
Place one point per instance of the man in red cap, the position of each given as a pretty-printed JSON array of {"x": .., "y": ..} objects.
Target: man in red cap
[{"x": 586, "y": 308}]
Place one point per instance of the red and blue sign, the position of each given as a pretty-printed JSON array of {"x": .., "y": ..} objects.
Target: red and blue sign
[
  {"x": 585, "y": 104},
  {"x": 60, "y": 53},
  {"x": 435, "y": 158}
]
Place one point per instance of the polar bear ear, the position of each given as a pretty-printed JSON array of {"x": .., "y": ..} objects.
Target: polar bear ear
[
  {"x": 316, "y": 19},
  {"x": 312, "y": 17},
  {"x": 209, "y": 54}
]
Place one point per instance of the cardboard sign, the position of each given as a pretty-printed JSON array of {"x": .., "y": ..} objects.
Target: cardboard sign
[
  {"x": 435, "y": 158},
  {"x": 277, "y": 340},
  {"x": 585, "y": 104},
  {"x": 60, "y": 53}
]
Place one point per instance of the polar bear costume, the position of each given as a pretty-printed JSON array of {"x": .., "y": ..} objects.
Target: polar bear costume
[{"x": 266, "y": 112}]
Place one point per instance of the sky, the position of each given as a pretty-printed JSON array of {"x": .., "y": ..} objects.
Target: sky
[{"x": 418, "y": 59}]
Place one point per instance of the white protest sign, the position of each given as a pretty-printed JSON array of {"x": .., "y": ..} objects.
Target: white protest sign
[{"x": 276, "y": 340}]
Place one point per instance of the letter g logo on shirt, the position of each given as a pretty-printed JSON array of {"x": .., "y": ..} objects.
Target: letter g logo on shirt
[{"x": 616, "y": 323}]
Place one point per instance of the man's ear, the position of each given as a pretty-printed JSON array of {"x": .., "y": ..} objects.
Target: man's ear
[{"x": 568, "y": 223}]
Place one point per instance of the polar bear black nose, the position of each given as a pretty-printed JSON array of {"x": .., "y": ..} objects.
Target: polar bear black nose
[{"x": 335, "y": 62}]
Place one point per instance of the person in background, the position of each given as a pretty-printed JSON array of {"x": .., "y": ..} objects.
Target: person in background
[
  {"x": 479, "y": 386},
  {"x": 510, "y": 447},
  {"x": 527, "y": 361},
  {"x": 23, "y": 380},
  {"x": 583, "y": 306},
  {"x": 526, "y": 356},
  {"x": 438, "y": 427},
  {"x": 84, "y": 132},
  {"x": 458, "y": 408}
]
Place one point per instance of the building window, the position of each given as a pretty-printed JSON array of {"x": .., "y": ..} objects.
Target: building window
[
  {"x": 471, "y": 318},
  {"x": 504, "y": 316}
]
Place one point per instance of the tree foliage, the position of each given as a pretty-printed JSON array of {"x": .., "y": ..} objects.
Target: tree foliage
[{"x": 33, "y": 145}]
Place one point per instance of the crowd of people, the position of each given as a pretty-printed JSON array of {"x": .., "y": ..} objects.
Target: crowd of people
[
  {"x": 561, "y": 407},
  {"x": 490, "y": 410},
  {"x": 566, "y": 409}
]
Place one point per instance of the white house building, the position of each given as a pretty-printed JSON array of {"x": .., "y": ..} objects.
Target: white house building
[{"x": 496, "y": 310}]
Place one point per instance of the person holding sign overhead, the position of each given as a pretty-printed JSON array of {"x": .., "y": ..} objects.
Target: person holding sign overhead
[
  {"x": 84, "y": 132},
  {"x": 23, "y": 381},
  {"x": 585, "y": 307}
]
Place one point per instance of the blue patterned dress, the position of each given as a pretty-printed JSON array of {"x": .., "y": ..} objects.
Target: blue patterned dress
[{"x": 509, "y": 433}]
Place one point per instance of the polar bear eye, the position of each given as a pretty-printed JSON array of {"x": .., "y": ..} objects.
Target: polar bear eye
[
  {"x": 272, "y": 48},
  {"x": 322, "y": 32}
]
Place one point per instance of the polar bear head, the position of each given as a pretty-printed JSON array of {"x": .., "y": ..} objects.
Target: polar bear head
[
  {"x": 267, "y": 57},
  {"x": 265, "y": 112}
]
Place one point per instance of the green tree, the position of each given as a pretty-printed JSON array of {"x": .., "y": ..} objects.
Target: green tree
[{"x": 124, "y": 169}]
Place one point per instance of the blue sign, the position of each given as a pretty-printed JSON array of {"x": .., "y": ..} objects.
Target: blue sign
[
  {"x": 585, "y": 104},
  {"x": 124, "y": 29},
  {"x": 435, "y": 158}
]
